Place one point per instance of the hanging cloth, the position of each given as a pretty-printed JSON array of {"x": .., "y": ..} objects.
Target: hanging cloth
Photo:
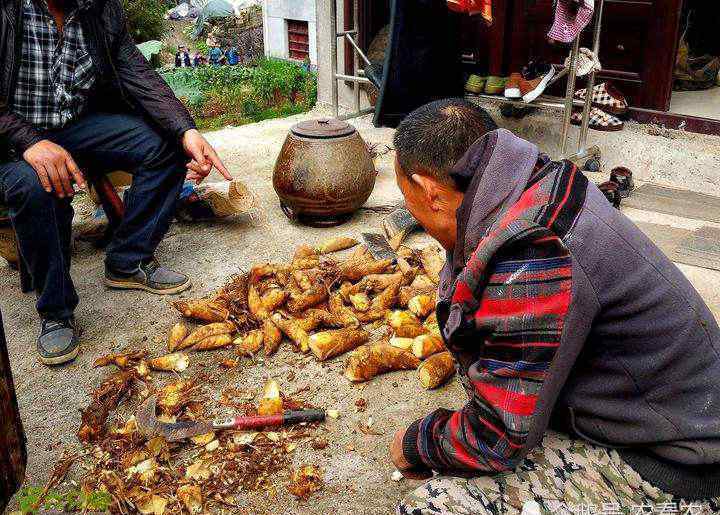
[
  {"x": 571, "y": 17},
  {"x": 472, "y": 7}
]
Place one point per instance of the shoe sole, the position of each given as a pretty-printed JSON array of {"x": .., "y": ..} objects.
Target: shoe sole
[
  {"x": 513, "y": 93},
  {"x": 60, "y": 360},
  {"x": 119, "y": 285},
  {"x": 532, "y": 95}
]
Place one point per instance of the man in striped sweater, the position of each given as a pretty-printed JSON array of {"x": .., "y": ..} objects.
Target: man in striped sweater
[{"x": 560, "y": 314}]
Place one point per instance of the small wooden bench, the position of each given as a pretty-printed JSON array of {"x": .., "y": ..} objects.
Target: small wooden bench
[{"x": 110, "y": 201}]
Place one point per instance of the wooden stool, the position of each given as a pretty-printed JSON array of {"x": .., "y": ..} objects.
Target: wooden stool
[{"x": 111, "y": 203}]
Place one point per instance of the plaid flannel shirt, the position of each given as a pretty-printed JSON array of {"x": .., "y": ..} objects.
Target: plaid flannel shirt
[
  {"x": 56, "y": 73},
  {"x": 512, "y": 299}
]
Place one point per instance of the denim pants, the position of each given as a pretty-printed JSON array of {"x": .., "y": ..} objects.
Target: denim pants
[{"x": 99, "y": 143}]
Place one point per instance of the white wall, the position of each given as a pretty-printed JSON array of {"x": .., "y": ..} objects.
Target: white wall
[{"x": 275, "y": 16}]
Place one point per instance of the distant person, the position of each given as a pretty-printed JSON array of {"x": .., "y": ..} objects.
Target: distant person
[
  {"x": 232, "y": 56},
  {"x": 199, "y": 60},
  {"x": 216, "y": 56},
  {"x": 182, "y": 58}
]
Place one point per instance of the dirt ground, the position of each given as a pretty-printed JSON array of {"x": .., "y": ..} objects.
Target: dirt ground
[
  {"x": 356, "y": 467},
  {"x": 357, "y": 471}
]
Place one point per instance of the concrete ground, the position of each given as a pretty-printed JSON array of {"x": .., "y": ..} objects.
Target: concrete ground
[
  {"x": 357, "y": 471},
  {"x": 705, "y": 103}
]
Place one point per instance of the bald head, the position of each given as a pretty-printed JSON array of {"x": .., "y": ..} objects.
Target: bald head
[{"x": 434, "y": 137}]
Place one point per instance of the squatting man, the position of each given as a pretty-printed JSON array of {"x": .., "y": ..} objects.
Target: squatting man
[
  {"x": 77, "y": 97},
  {"x": 590, "y": 361}
]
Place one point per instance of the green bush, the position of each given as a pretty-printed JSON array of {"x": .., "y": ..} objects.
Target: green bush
[
  {"x": 145, "y": 18},
  {"x": 234, "y": 95}
]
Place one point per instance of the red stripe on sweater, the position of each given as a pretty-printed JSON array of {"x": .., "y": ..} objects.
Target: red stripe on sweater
[
  {"x": 512, "y": 402},
  {"x": 521, "y": 345},
  {"x": 565, "y": 197},
  {"x": 549, "y": 305}
]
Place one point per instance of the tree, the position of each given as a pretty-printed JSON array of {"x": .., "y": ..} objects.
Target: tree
[{"x": 145, "y": 18}]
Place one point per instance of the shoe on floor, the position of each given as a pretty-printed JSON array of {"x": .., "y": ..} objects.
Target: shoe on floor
[
  {"x": 58, "y": 342},
  {"x": 512, "y": 88},
  {"x": 495, "y": 85},
  {"x": 150, "y": 277},
  {"x": 475, "y": 84},
  {"x": 534, "y": 79},
  {"x": 606, "y": 97},
  {"x": 599, "y": 120}
]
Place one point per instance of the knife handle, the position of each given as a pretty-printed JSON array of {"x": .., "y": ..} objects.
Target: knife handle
[
  {"x": 260, "y": 421},
  {"x": 306, "y": 415}
]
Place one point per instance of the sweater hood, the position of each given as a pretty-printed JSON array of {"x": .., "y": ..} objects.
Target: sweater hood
[{"x": 496, "y": 170}]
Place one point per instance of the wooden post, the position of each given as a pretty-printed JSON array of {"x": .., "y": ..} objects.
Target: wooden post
[{"x": 13, "y": 452}]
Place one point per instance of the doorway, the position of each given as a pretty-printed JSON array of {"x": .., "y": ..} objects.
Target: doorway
[{"x": 696, "y": 77}]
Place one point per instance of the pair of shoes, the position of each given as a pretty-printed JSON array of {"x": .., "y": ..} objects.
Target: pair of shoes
[
  {"x": 534, "y": 78},
  {"x": 151, "y": 277},
  {"x": 608, "y": 104},
  {"x": 607, "y": 97},
  {"x": 58, "y": 340},
  {"x": 475, "y": 84}
]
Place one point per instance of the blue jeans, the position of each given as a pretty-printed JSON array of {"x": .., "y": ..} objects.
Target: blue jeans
[{"x": 99, "y": 143}]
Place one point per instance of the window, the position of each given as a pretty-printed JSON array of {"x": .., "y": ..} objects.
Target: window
[{"x": 298, "y": 40}]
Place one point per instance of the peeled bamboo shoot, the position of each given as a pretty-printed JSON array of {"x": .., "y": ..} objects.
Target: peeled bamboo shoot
[
  {"x": 336, "y": 244},
  {"x": 372, "y": 360},
  {"x": 436, "y": 370},
  {"x": 426, "y": 345},
  {"x": 328, "y": 344}
]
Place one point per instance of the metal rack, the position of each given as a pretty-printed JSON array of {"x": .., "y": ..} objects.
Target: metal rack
[
  {"x": 358, "y": 54},
  {"x": 582, "y": 151}
]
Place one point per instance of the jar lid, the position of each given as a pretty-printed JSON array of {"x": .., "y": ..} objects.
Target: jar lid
[{"x": 323, "y": 128}]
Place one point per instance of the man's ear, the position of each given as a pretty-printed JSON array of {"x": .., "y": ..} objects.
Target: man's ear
[{"x": 429, "y": 187}]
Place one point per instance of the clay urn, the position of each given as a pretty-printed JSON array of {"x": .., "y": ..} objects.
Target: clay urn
[{"x": 324, "y": 172}]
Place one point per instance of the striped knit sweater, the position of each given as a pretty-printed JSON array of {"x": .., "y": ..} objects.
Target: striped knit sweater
[{"x": 503, "y": 323}]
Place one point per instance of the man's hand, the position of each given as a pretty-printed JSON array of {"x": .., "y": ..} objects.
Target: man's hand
[
  {"x": 55, "y": 168},
  {"x": 398, "y": 459},
  {"x": 203, "y": 157}
]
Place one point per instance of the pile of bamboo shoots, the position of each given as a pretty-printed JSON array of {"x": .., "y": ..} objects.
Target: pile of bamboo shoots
[{"x": 384, "y": 312}]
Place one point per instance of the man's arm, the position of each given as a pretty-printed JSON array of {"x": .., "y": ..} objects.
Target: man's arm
[
  {"x": 17, "y": 132},
  {"x": 55, "y": 168},
  {"x": 522, "y": 314},
  {"x": 152, "y": 94},
  {"x": 144, "y": 85}
]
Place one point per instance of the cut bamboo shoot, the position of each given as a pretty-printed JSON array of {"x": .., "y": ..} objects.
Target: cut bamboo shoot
[
  {"x": 436, "y": 370},
  {"x": 328, "y": 344}
]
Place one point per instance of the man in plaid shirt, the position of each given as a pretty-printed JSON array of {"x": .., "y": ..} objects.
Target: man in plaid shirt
[
  {"x": 77, "y": 97},
  {"x": 589, "y": 361}
]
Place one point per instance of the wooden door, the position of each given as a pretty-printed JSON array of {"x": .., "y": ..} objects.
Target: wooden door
[{"x": 637, "y": 45}]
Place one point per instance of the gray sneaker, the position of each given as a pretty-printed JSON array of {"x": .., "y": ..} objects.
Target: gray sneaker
[
  {"x": 58, "y": 342},
  {"x": 150, "y": 277}
]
